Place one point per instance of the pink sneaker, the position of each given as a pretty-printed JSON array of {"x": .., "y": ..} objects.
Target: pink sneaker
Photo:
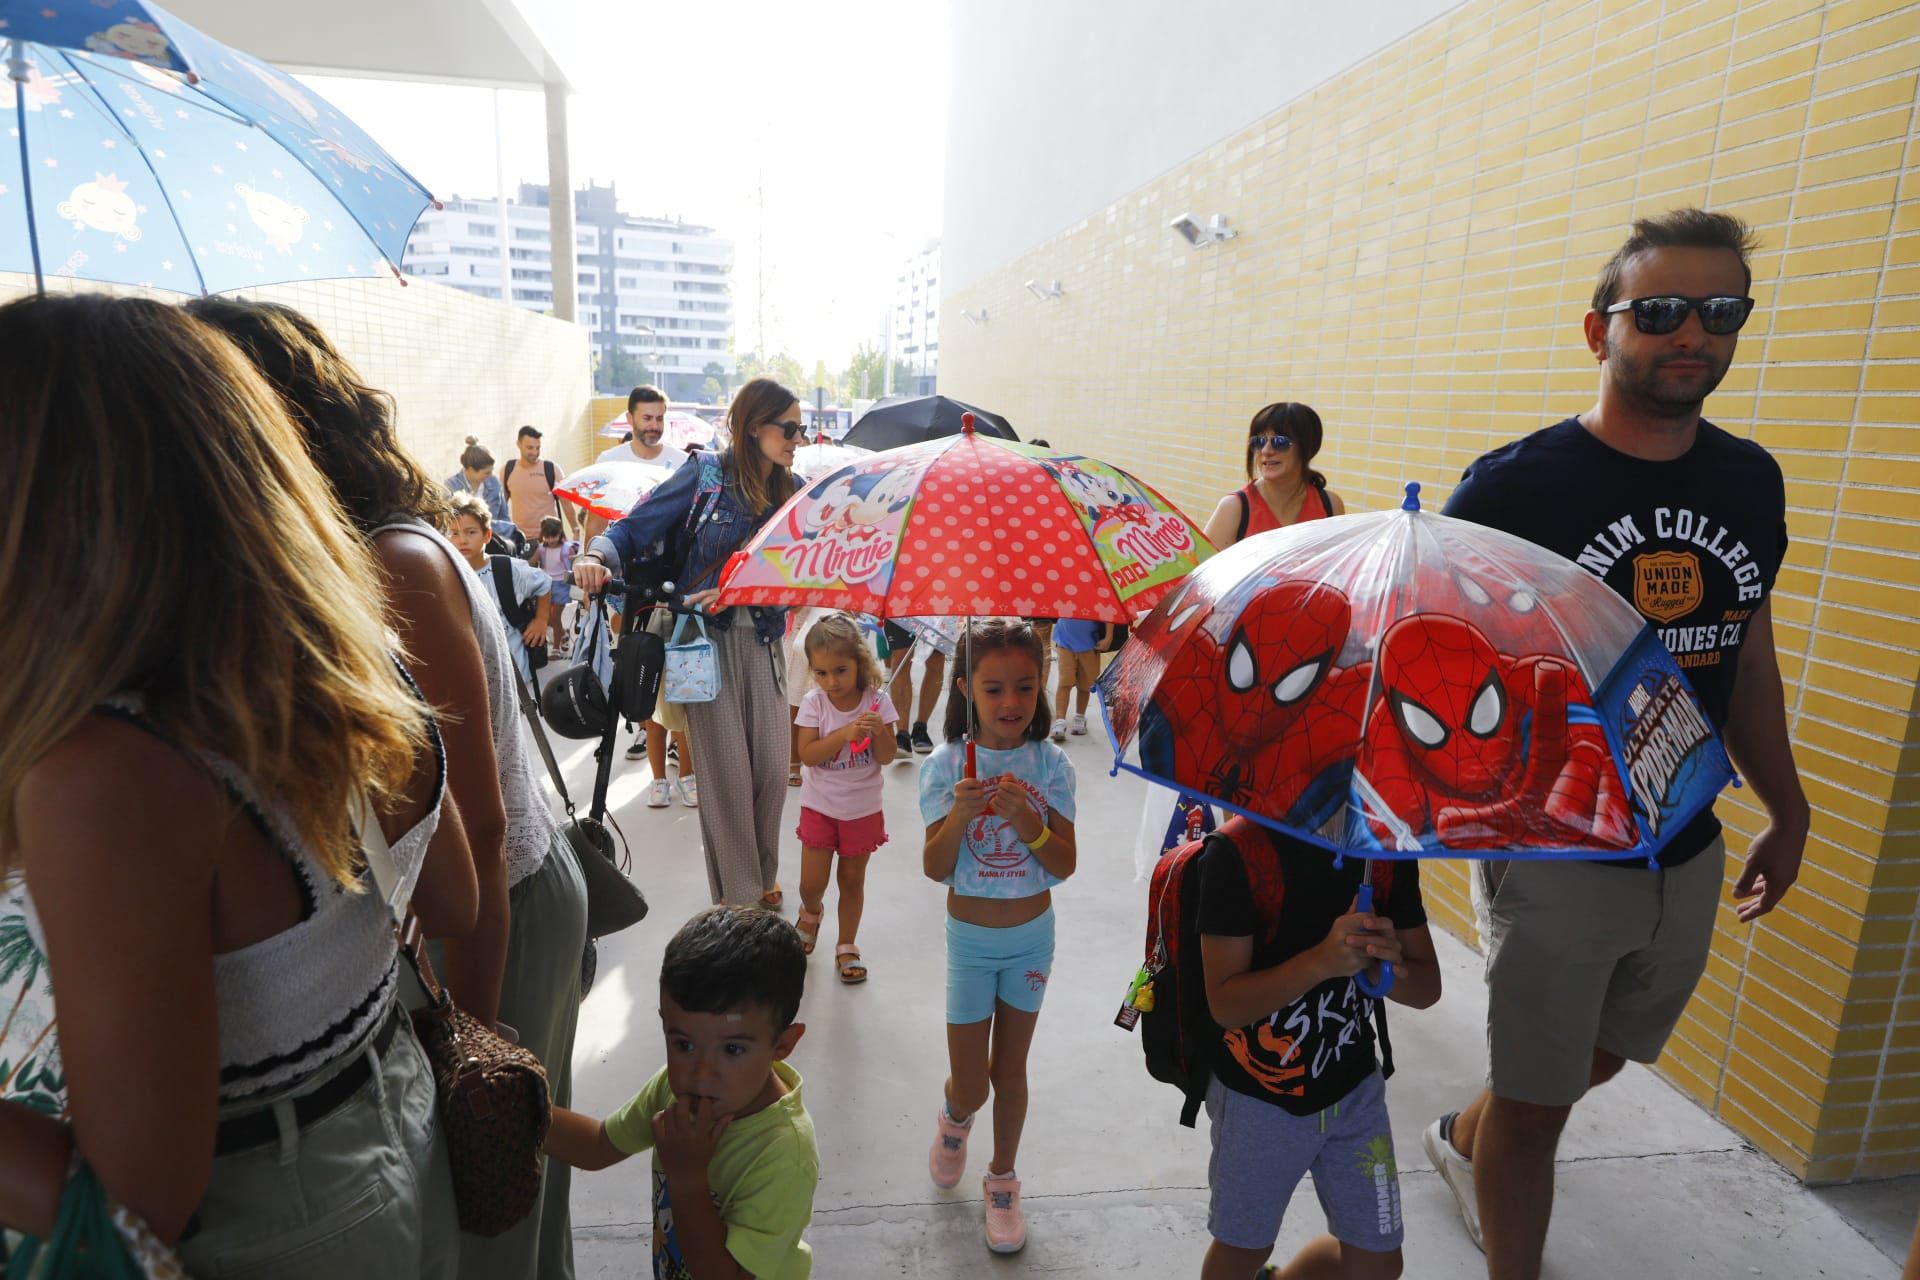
[
  {"x": 1006, "y": 1225},
  {"x": 948, "y": 1159}
]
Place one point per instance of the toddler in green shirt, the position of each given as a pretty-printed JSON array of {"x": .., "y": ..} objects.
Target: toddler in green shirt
[{"x": 734, "y": 1161}]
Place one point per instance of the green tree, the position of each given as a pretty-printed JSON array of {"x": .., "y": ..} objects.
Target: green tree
[
  {"x": 713, "y": 391},
  {"x": 866, "y": 374},
  {"x": 621, "y": 371},
  {"x": 782, "y": 368}
]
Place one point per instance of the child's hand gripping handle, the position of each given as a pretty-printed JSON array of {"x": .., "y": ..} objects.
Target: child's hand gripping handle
[
  {"x": 866, "y": 742},
  {"x": 1375, "y": 980}
]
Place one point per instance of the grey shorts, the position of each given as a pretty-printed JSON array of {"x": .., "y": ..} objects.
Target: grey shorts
[
  {"x": 1260, "y": 1153},
  {"x": 1582, "y": 956}
]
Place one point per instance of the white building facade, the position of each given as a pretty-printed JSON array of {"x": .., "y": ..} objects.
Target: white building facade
[
  {"x": 913, "y": 323},
  {"x": 655, "y": 288}
]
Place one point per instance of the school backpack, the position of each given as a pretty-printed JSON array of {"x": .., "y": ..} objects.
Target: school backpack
[
  {"x": 1169, "y": 997},
  {"x": 516, "y": 611}
]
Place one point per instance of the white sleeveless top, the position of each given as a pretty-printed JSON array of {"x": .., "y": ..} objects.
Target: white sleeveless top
[
  {"x": 530, "y": 826},
  {"x": 288, "y": 1005}
]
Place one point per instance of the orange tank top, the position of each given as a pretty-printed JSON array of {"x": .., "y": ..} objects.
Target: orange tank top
[{"x": 1260, "y": 518}]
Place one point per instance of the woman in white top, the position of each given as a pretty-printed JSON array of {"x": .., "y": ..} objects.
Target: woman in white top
[
  {"x": 195, "y": 976},
  {"x": 523, "y": 964}
]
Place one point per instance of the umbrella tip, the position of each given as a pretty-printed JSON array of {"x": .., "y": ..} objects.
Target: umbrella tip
[
  {"x": 1412, "y": 502},
  {"x": 966, "y": 423}
]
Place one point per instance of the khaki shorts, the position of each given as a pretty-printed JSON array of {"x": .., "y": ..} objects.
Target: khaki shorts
[{"x": 1581, "y": 956}]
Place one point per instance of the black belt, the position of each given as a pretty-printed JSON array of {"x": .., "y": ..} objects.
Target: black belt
[{"x": 259, "y": 1128}]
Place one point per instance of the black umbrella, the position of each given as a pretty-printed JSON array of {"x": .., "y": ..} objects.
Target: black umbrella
[{"x": 912, "y": 419}]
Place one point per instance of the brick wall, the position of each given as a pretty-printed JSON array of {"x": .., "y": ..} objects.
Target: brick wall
[{"x": 1419, "y": 236}]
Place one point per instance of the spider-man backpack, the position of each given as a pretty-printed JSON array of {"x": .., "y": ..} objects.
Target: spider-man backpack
[{"x": 1177, "y": 1029}]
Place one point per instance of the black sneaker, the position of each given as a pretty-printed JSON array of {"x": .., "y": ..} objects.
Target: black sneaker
[
  {"x": 673, "y": 752},
  {"x": 905, "y": 743},
  {"x": 637, "y": 750},
  {"x": 922, "y": 744}
]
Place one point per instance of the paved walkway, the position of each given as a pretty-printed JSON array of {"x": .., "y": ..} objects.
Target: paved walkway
[{"x": 1649, "y": 1185}]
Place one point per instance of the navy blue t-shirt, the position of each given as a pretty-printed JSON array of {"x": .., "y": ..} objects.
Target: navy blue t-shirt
[{"x": 1693, "y": 543}]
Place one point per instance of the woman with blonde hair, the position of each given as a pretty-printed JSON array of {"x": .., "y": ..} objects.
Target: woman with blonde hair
[
  {"x": 523, "y": 963},
  {"x": 199, "y": 974},
  {"x": 743, "y": 736}
]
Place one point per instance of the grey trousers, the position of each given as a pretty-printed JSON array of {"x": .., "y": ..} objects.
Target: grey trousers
[
  {"x": 741, "y": 741},
  {"x": 540, "y": 998},
  {"x": 365, "y": 1191}
]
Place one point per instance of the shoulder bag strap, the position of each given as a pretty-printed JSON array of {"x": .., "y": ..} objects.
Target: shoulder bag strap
[
  {"x": 531, "y": 710},
  {"x": 1246, "y": 513}
]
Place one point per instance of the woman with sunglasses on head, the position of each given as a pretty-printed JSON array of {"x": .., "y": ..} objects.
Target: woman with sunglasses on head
[
  {"x": 742, "y": 735},
  {"x": 1281, "y": 489}
]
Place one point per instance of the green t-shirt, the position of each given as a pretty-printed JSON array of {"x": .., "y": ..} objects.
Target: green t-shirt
[{"x": 762, "y": 1175}]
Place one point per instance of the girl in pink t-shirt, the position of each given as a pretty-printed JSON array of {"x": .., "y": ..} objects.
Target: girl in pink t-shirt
[{"x": 844, "y": 737}]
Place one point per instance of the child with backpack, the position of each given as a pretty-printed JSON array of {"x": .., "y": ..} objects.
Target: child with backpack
[
  {"x": 1079, "y": 644},
  {"x": 999, "y": 812},
  {"x": 553, "y": 556},
  {"x": 1270, "y": 944},
  {"x": 520, "y": 588},
  {"x": 844, "y": 737}
]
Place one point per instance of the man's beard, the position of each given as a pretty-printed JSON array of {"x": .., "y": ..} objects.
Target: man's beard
[
  {"x": 1643, "y": 383},
  {"x": 649, "y": 438}
]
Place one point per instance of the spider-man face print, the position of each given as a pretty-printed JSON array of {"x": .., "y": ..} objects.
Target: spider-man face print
[{"x": 1443, "y": 685}]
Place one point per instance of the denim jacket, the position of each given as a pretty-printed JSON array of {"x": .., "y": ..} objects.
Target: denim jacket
[{"x": 725, "y": 527}]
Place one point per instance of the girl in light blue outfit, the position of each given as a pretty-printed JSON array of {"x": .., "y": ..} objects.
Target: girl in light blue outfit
[{"x": 999, "y": 836}]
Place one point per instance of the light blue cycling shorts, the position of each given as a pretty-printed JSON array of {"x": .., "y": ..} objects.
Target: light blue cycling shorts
[{"x": 985, "y": 964}]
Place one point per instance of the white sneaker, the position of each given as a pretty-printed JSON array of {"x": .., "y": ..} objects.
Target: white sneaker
[
  {"x": 1079, "y": 726},
  {"x": 690, "y": 792},
  {"x": 1456, "y": 1171},
  {"x": 660, "y": 794},
  {"x": 1059, "y": 730}
]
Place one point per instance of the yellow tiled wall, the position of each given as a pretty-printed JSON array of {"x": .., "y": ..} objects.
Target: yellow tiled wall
[
  {"x": 457, "y": 365},
  {"x": 1419, "y": 236}
]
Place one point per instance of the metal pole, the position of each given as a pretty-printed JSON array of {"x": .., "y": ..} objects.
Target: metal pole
[
  {"x": 500, "y": 200},
  {"x": 17, "y": 72}
]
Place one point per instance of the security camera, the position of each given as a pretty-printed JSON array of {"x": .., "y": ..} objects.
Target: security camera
[
  {"x": 1190, "y": 230},
  {"x": 974, "y": 318},
  {"x": 1050, "y": 289}
]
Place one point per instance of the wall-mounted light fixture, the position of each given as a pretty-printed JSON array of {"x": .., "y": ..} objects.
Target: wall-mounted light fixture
[
  {"x": 1050, "y": 289},
  {"x": 1199, "y": 236},
  {"x": 973, "y": 318}
]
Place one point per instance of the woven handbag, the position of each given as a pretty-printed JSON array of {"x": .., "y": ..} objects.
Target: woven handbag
[{"x": 492, "y": 1096}]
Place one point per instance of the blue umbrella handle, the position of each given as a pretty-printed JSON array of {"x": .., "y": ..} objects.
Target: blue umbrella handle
[{"x": 1377, "y": 987}]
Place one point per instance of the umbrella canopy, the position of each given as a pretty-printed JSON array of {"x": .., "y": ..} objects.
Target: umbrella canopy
[
  {"x": 145, "y": 153},
  {"x": 1403, "y": 684},
  {"x": 821, "y": 457},
  {"x": 970, "y": 525},
  {"x": 680, "y": 430},
  {"x": 906, "y": 420},
  {"x": 611, "y": 489}
]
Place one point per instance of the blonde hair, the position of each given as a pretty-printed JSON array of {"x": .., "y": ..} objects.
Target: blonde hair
[
  {"x": 839, "y": 633},
  {"x": 467, "y": 506},
  {"x": 226, "y": 586}
]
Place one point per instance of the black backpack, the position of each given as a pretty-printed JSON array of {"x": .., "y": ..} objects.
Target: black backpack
[
  {"x": 516, "y": 611},
  {"x": 1177, "y": 1030}
]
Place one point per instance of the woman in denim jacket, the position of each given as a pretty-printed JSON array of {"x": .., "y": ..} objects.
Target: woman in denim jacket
[{"x": 741, "y": 736}]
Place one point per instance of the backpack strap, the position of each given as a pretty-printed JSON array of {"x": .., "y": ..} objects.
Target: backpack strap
[
  {"x": 506, "y": 474},
  {"x": 511, "y": 607},
  {"x": 1382, "y": 886},
  {"x": 1239, "y": 530},
  {"x": 548, "y": 467}
]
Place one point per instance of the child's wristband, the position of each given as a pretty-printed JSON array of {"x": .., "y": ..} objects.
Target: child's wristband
[{"x": 1039, "y": 842}]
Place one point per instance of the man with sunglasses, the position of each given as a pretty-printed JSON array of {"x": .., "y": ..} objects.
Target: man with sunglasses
[{"x": 1590, "y": 964}]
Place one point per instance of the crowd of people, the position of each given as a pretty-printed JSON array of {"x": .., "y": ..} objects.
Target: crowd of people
[{"x": 340, "y": 671}]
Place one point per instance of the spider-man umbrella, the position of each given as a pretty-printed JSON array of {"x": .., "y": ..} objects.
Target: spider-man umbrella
[
  {"x": 1406, "y": 685},
  {"x": 611, "y": 489},
  {"x": 970, "y": 525}
]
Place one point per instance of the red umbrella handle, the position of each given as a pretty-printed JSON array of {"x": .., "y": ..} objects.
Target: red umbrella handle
[{"x": 972, "y": 772}]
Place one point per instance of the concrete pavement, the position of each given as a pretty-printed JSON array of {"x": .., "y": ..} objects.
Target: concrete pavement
[{"x": 1649, "y": 1185}]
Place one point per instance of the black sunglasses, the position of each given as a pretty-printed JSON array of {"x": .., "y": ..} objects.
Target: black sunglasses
[
  {"x": 1719, "y": 315},
  {"x": 792, "y": 430},
  {"x": 1280, "y": 442}
]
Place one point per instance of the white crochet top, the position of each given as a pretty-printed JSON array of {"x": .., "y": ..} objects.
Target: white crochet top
[{"x": 530, "y": 825}]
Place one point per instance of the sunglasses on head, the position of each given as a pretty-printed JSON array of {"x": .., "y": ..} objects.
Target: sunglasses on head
[
  {"x": 1664, "y": 314},
  {"x": 791, "y": 430},
  {"x": 1280, "y": 442}
]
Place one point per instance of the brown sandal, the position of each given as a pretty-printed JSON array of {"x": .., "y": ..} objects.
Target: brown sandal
[
  {"x": 846, "y": 958},
  {"x": 809, "y": 926},
  {"x": 773, "y": 899}
]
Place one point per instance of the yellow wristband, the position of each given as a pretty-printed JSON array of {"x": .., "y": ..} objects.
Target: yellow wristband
[{"x": 1038, "y": 842}]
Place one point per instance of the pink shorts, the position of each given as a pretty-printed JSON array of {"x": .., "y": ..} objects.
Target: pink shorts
[{"x": 848, "y": 837}]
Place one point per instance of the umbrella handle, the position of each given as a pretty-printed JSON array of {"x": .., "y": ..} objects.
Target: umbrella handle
[
  {"x": 1369, "y": 984},
  {"x": 972, "y": 772}
]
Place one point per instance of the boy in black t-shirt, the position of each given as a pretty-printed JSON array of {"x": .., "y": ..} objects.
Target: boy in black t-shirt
[{"x": 1296, "y": 1085}]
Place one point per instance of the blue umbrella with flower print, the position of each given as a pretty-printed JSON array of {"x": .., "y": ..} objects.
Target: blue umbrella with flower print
[{"x": 139, "y": 151}]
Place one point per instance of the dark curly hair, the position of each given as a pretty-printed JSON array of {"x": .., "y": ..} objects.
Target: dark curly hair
[
  {"x": 728, "y": 957},
  {"x": 348, "y": 426}
]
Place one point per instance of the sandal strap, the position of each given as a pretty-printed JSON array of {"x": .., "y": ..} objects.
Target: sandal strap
[{"x": 846, "y": 949}]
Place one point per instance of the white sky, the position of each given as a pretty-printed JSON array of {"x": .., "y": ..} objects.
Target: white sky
[{"x": 837, "y": 108}]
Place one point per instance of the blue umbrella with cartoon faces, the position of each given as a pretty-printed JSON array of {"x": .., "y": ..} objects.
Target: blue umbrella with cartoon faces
[{"x": 139, "y": 151}]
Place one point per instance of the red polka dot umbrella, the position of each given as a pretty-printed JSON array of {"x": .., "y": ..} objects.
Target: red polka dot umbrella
[{"x": 971, "y": 525}]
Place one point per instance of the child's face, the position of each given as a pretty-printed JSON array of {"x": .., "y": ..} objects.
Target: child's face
[
  {"x": 468, "y": 538},
  {"x": 837, "y": 674},
  {"x": 723, "y": 1059},
  {"x": 551, "y": 539},
  {"x": 1006, "y": 689}
]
